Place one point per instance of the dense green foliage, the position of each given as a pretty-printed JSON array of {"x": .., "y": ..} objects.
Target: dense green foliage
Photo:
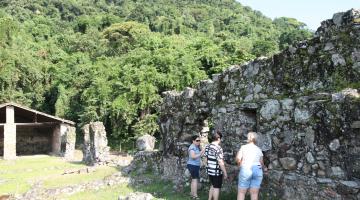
[{"x": 109, "y": 60}]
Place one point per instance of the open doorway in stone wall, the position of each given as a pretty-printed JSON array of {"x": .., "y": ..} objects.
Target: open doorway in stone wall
[
  {"x": 234, "y": 125},
  {"x": 352, "y": 153},
  {"x": 1, "y": 141}
]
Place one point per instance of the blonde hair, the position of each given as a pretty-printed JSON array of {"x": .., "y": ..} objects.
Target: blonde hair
[{"x": 252, "y": 137}]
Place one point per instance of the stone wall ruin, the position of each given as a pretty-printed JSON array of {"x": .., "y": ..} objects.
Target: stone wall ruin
[
  {"x": 95, "y": 146},
  {"x": 305, "y": 103}
]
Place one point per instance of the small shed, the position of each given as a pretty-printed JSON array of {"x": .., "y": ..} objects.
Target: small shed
[{"x": 24, "y": 131}]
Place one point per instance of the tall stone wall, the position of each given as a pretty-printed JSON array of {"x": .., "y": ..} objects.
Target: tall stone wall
[
  {"x": 68, "y": 141},
  {"x": 297, "y": 101},
  {"x": 95, "y": 147}
]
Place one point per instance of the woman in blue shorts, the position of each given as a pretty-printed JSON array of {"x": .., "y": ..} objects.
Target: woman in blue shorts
[
  {"x": 250, "y": 160},
  {"x": 193, "y": 164}
]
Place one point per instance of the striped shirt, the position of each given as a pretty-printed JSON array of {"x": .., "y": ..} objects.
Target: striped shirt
[{"x": 213, "y": 153}]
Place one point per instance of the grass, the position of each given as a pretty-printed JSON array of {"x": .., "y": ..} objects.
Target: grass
[
  {"x": 161, "y": 190},
  {"x": 18, "y": 175},
  {"x": 107, "y": 193},
  {"x": 59, "y": 180}
]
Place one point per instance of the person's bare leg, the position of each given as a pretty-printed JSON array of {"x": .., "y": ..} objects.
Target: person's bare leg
[
  {"x": 216, "y": 193},
  {"x": 254, "y": 192},
  {"x": 194, "y": 187},
  {"x": 241, "y": 194},
  {"x": 211, "y": 190}
]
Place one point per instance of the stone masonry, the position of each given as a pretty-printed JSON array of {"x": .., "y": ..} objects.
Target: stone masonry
[
  {"x": 95, "y": 148},
  {"x": 305, "y": 103}
]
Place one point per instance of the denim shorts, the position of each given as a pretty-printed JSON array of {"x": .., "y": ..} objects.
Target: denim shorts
[
  {"x": 250, "y": 177},
  {"x": 194, "y": 171}
]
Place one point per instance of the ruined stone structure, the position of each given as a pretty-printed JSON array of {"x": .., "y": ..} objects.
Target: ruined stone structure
[
  {"x": 304, "y": 102},
  {"x": 95, "y": 147},
  {"x": 24, "y": 131},
  {"x": 145, "y": 143}
]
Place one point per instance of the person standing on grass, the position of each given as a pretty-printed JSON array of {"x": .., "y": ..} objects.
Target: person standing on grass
[
  {"x": 193, "y": 164},
  {"x": 250, "y": 160},
  {"x": 215, "y": 165}
]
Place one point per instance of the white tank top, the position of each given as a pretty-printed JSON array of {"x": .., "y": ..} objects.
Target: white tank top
[{"x": 250, "y": 154}]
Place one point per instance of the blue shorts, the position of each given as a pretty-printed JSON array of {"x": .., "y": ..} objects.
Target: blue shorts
[
  {"x": 250, "y": 177},
  {"x": 194, "y": 171}
]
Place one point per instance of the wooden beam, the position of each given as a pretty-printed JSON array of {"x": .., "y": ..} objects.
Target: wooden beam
[{"x": 34, "y": 124}]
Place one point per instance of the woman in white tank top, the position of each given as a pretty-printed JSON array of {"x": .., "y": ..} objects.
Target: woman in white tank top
[{"x": 250, "y": 160}]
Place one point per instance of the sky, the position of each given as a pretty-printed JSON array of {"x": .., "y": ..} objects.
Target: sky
[{"x": 311, "y": 12}]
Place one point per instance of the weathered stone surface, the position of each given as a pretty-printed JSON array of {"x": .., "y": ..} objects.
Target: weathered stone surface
[
  {"x": 336, "y": 172},
  {"x": 70, "y": 137},
  {"x": 308, "y": 127},
  {"x": 348, "y": 187},
  {"x": 334, "y": 145},
  {"x": 137, "y": 196},
  {"x": 288, "y": 163},
  {"x": 301, "y": 115},
  {"x": 310, "y": 158},
  {"x": 95, "y": 149},
  {"x": 355, "y": 124},
  {"x": 145, "y": 143},
  {"x": 270, "y": 109}
]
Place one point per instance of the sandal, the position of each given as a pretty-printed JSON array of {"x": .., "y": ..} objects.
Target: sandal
[{"x": 195, "y": 197}]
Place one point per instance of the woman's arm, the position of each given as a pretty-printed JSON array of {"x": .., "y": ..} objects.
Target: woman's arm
[
  {"x": 222, "y": 167},
  {"x": 238, "y": 158},
  {"x": 263, "y": 165},
  {"x": 193, "y": 155}
]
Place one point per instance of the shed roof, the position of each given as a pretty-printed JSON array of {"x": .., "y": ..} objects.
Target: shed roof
[{"x": 37, "y": 112}]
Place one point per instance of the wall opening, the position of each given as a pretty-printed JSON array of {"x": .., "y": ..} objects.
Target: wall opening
[
  {"x": 248, "y": 122},
  {"x": 32, "y": 140},
  {"x": 1, "y": 140},
  {"x": 3, "y": 115},
  {"x": 234, "y": 126},
  {"x": 352, "y": 156}
]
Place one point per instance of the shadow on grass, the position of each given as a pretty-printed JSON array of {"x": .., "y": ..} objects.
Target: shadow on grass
[{"x": 162, "y": 189}]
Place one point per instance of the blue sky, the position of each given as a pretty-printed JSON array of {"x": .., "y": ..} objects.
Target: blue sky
[{"x": 311, "y": 12}]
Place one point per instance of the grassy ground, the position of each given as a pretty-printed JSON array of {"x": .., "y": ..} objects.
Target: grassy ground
[{"x": 17, "y": 177}]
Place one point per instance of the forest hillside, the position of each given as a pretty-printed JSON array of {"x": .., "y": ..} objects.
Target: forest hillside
[{"x": 109, "y": 60}]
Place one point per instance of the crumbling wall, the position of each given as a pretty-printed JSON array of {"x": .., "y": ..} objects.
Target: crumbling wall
[
  {"x": 95, "y": 148},
  {"x": 69, "y": 139},
  {"x": 296, "y": 100}
]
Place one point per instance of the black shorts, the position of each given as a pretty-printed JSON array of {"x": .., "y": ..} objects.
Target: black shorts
[{"x": 216, "y": 181}]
